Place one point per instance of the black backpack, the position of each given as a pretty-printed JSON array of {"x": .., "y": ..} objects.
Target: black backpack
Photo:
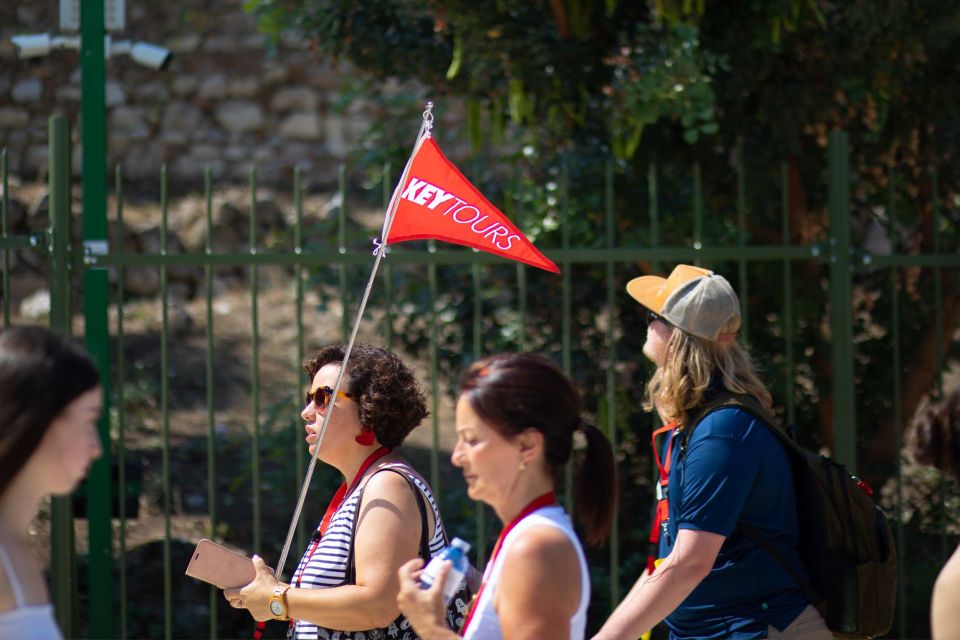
[{"x": 845, "y": 539}]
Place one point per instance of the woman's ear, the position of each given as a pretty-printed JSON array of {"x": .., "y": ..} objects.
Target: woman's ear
[{"x": 531, "y": 444}]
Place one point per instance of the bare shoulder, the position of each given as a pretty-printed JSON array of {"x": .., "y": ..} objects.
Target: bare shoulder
[
  {"x": 540, "y": 588},
  {"x": 28, "y": 577},
  {"x": 389, "y": 485},
  {"x": 544, "y": 550}
]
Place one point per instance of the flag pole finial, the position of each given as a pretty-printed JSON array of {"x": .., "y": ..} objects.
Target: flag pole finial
[{"x": 428, "y": 116}]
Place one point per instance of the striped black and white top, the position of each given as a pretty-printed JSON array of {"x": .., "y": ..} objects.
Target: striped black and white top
[{"x": 327, "y": 566}]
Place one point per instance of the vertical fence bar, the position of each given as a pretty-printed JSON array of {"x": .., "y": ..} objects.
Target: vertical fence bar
[
  {"x": 255, "y": 363},
  {"x": 4, "y": 221},
  {"x": 479, "y": 507},
  {"x": 342, "y": 248},
  {"x": 165, "y": 413},
  {"x": 938, "y": 336},
  {"x": 121, "y": 405},
  {"x": 697, "y": 210},
  {"x": 897, "y": 406},
  {"x": 841, "y": 314},
  {"x": 62, "y": 552},
  {"x": 434, "y": 375},
  {"x": 214, "y": 594},
  {"x": 298, "y": 389},
  {"x": 653, "y": 205},
  {"x": 787, "y": 295},
  {"x": 741, "y": 243},
  {"x": 566, "y": 355},
  {"x": 96, "y": 301},
  {"x": 385, "y": 195},
  {"x": 522, "y": 306},
  {"x": 611, "y": 423}
]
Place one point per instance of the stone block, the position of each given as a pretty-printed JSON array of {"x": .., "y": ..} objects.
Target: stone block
[
  {"x": 115, "y": 94},
  {"x": 213, "y": 87},
  {"x": 129, "y": 122},
  {"x": 301, "y": 126},
  {"x": 184, "y": 85},
  {"x": 27, "y": 90},
  {"x": 240, "y": 116},
  {"x": 181, "y": 117},
  {"x": 243, "y": 87},
  {"x": 143, "y": 161},
  {"x": 68, "y": 93},
  {"x": 185, "y": 44},
  {"x": 294, "y": 99},
  {"x": 11, "y": 117}
]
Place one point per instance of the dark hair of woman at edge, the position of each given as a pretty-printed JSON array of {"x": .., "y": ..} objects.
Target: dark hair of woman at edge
[
  {"x": 50, "y": 402},
  {"x": 516, "y": 391},
  {"x": 935, "y": 440}
]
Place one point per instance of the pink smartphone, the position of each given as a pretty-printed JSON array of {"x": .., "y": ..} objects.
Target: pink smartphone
[{"x": 220, "y": 566}]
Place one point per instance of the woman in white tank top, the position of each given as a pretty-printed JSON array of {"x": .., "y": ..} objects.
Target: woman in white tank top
[
  {"x": 518, "y": 422},
  {"x": 50, "y": 401}
]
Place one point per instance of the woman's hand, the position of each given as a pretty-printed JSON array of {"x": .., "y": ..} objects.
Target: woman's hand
[
  {"x": 255, "y": 597},
  {"x": 424, "y": 608}
]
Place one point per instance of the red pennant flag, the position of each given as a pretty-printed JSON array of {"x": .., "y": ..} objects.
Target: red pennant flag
[{"x": 436, "y": 201}]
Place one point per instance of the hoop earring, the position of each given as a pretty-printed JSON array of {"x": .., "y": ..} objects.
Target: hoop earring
[{"x": 365, "y": 439}]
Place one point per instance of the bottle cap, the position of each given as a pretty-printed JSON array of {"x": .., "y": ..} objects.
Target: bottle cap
[{"x": 463, "y": 545}]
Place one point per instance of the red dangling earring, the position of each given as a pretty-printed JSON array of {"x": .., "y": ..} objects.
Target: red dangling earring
[{"x": 365, "y": 438}]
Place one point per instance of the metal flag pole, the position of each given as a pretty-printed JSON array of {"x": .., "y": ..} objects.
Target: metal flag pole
[{"x": 380, "y": 252}]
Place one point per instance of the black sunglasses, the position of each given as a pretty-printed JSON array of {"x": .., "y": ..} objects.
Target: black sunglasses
[
  {"x": 653, "y": 316},
  {"x": 321, "y": 396}
]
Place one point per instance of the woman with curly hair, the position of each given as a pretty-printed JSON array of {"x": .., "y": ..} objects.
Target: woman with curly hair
[
  {"x": 935, "y": 441},
  {"x": 346, "y": 584}
]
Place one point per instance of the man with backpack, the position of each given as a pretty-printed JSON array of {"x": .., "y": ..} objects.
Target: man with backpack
[{"x": 734, "y": 568}]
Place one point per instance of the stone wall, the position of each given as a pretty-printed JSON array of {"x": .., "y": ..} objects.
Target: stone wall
[{"x": 224, "y": 101}]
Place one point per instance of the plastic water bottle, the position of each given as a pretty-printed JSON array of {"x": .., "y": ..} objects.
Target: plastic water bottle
[{"x": 455, "y": 553}]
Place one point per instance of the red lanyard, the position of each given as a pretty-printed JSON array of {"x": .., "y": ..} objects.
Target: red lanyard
[
  {"x": 337, "y": 500},
  {"x": 665, "y": 466},
  {"x": 335, "y": 503},
  {"x": 663, "y": 505},
  {"x": 547, "y": 499}
]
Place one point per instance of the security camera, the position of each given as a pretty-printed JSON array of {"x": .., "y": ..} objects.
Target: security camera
[
  {"x": 33, "y": 45},
  {"x": 151, "y": 55}
]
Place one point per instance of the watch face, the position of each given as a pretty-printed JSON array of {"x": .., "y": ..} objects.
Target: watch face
[{"x": 276, "y": 607}]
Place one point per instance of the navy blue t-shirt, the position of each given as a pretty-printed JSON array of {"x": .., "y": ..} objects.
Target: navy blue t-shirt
[{"x": 735, "y": 469}]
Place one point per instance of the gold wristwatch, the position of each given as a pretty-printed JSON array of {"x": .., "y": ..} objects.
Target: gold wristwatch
[{"x": 278, "y": 603}]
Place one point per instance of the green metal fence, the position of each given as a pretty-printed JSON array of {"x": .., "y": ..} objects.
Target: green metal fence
[{"x": 111, "y": 575}]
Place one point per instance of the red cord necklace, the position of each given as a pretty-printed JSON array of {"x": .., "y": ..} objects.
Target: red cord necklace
[
  {"x": 547, "y": 499},
  {"x": 335, "y": 503}
]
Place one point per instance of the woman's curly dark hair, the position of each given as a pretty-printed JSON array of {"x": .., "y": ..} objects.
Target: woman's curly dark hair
[
  {"x": 935, "y": 438},
  {"x": 389, "y": 397}
]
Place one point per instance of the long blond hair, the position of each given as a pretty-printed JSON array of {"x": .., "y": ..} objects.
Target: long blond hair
[{"x": 690, "y": 362}]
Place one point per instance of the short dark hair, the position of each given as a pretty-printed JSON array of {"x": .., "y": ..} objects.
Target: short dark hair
[
  {"x": 40, "y": 375},
  {"x": 389, "y": 397},
  {"x": 935, "y": 437},
  {"x": 515, "y": 391}
]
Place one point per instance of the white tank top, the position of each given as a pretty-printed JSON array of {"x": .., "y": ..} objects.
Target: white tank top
[
  {"x": 25, "y": 621},
  {"x": 485, "y": 624}
]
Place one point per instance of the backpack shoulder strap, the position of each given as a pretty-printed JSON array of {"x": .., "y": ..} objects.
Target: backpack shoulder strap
[
  {"x": 725, "y": 399},
  {"x": 752, "y": 406},
  {"x": 351, "y": 571}
]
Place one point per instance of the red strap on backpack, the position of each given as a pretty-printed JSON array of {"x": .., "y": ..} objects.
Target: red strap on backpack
[{"x": 663, "y": 505}]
